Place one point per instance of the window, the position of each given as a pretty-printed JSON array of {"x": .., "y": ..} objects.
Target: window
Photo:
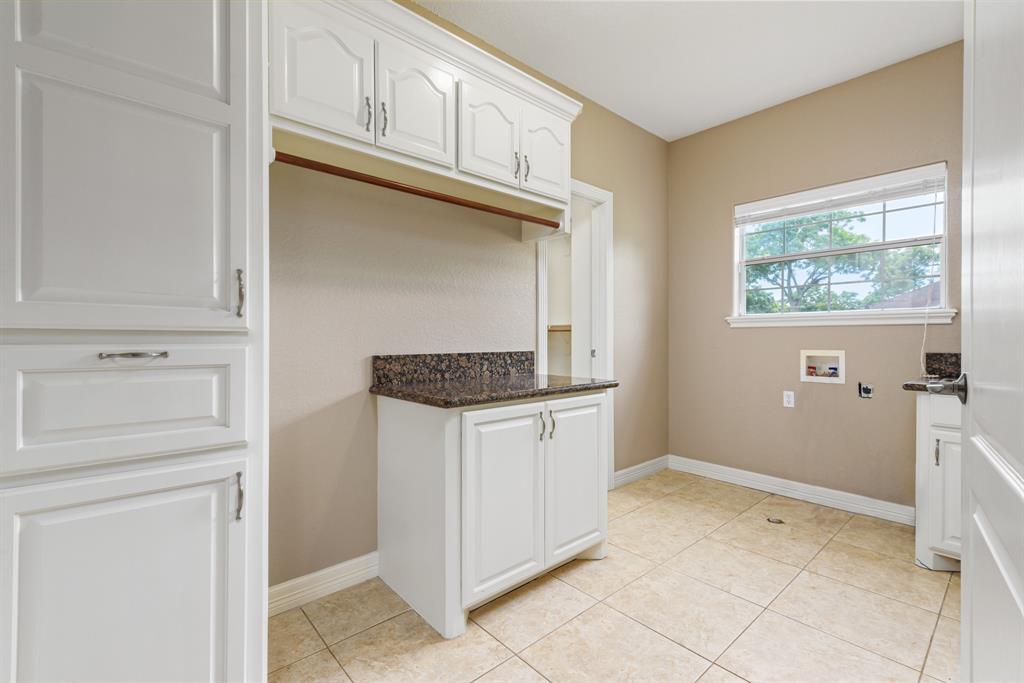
[{"x": 864, "y": 252}]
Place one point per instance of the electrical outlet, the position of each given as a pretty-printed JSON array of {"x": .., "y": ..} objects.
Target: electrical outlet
[{"x": 788, "y": 399}]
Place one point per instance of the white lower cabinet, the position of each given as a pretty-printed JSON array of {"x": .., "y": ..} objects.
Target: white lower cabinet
[
  {"x": 939, "y": 498},
  {"x": 135, "y": 576},
  {"x": 475, "y": 502}
]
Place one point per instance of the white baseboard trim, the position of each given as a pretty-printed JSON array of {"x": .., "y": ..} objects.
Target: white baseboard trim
[
  {"x": 640, "y": 471},
  {"x": 302, "y": 589},
  {"x": 851, "y": 502}
]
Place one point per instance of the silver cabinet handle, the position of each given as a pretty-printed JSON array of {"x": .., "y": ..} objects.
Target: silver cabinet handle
[
  {"x": 369, "y": 114},
  {"x": 241, "y": 292},
  {"x": 384, "y": 111},
  {"x": 936, "y": 452},
  {"x": 133, "y": 354},
  {"x": 526, "y": 159},
  {"x": 552, "y": 416},
  {"x": 516, "y": 174},
  {"x": 241, "y": 496},
  {"x": 543, "y": 425}
]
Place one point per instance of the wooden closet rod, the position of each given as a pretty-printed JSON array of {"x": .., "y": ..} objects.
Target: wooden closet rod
[{"x": 294, "y": 160}]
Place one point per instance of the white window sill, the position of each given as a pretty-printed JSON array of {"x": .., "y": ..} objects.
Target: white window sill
[{"x": 903, "y": 316}]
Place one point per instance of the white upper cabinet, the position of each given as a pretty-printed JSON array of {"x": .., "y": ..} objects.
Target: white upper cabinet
[
  {"x": 489, "y": 131},
  {"x": 323, "y": 75},
  {"x": 415, "y": 102},
  {"x": 322, "y": 69},
  {"x": 129, "y": 204},
  {"x": 546, "y": 153}
]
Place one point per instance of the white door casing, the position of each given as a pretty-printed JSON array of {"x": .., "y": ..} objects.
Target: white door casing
[
  {"x": 489, "y": 131},
  {"x": 322, "y": 72},
  {"x": 126, "y": 196},
  {"x": 502, "y": 498},
  {"x": 546, "y": 153},
  {"x": 137, "y": 576},
  {"x": 992, "y": 626},
  {"x": 415, "y": 102},
  {"x": 576, "y": 507}
]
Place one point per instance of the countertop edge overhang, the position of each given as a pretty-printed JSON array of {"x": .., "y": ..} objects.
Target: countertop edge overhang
[{"x": 465, "y": 394}]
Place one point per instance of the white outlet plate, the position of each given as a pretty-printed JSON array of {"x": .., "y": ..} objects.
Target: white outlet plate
[{"x": 788, "y": 399}]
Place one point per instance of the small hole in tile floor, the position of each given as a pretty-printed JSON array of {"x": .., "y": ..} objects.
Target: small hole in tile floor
[{"x": 775, "y": 520}]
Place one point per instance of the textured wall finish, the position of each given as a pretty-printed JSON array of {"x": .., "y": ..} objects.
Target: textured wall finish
[
  {"x": 357, "y": 270},
  {"x": 726, "y": 384}
]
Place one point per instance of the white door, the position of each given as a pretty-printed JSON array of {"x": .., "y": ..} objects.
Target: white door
[
  {"x": 321, "y": 66},
  {"x": 128, "y": 205},
  {"x": 502, "y": 498},
  {"x": 489, "y": 131},
  {"x": 130, "y": 577},
  {"x": 584, "y": 287},
  {"x": 945, "y": 502},
  {"x": 992, "y": 328},
  {"x": 575, "y": 476},
  {"x": 415, "y": 102},
  {"x": 546, "y": 154}
]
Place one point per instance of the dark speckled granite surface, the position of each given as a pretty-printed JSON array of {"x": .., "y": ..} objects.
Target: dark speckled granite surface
[
  {"x": 943, "y": 365},
  {"x": 457, "y": 380}
]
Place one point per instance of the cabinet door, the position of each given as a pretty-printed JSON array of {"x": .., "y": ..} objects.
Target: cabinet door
[
  {"x": 131, "y": 577},
  {"x": 489, "y": 131},
  {"x": 502, "y": 499},
  {"x": 415, "y": 102},
  {"x": 545, "y": 150},
  {"x": 138, "y": 146},
  {"x": 321, "y": 68},
  {"x": 944, "y": 492},
  {"x": 575, "y": 477}
]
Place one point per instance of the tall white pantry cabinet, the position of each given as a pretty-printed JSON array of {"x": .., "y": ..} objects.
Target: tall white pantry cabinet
[{"x": 133, "y": 355}]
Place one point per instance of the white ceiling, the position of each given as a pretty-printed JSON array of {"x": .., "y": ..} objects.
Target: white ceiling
[{"x": 675, "y": 68}]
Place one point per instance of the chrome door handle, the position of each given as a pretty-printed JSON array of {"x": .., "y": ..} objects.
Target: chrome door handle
[
  {"x": 552, "y": 416},
  {"x": 543, "y": 425},
  {"x": 526, "y": 175},
  {"x": 133, "y": 354},
  {"x": 241, "y": 496},
  {"x": 516, "y": 174},
  {"x": 241, "y": 292},
  {"x": 936, "y": 452},
  {"x": 384, "y": 111},
  {"x": 950, "y": 387},
  {"x": 369, "y": 114}
]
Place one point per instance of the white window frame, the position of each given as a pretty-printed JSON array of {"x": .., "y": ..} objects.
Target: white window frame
[{"x": 848, "y": 193}]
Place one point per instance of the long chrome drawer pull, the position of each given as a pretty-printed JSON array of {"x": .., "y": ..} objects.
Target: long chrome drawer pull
[
  {"x": 552, "y": 416},
  {"x": 241, "y": 293},
  {"x": 543, "y": 425},
  {"x": 134, "y": 354}
]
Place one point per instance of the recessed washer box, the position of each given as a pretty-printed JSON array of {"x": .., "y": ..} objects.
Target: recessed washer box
[{"x": 827, "y": 367}]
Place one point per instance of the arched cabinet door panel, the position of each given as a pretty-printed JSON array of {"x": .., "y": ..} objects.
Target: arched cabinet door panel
[
  {"x": 415, "y": 102},
  {"x": 546, "y": 153},
  {"x": 489, "y": 132},
  {"x": 322, "y": 69}
]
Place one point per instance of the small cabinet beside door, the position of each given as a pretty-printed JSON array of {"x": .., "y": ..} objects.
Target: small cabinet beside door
[
  {"x": 546, "y": 153},
  {"x": 534, "y": 490},
  {"x": 415, "y": 102},
  {"x": 126, "y": 577},
  {"x": 489, "y": 132},
  {"x": 944, "y": 509},
  {"x": 322, "y": 69}
]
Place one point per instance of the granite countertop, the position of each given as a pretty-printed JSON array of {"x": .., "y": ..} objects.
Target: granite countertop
[
  {"x": 457, "y": 380},
  {"x": 938, "y": 365}
]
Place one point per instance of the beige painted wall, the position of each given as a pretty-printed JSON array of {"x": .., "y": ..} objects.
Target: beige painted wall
[
  {"x": 356, "y": 270},
  {"x": 725, "y": 398}
]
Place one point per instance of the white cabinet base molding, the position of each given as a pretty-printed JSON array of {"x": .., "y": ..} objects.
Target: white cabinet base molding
[{"x": 474, "y": 502}]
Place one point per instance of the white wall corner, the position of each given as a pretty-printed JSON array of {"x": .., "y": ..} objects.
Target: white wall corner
[
  {"x": 302, "y": 589},
  {"x": 640, "y": 471},
  {"x": 842, "y": 500}
]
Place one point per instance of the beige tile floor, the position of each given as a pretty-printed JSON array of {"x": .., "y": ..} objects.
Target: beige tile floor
[{"x": 697, "y": 585}]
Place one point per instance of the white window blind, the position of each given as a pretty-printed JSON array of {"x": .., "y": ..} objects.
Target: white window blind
[{"x": 868, "y": 248}]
